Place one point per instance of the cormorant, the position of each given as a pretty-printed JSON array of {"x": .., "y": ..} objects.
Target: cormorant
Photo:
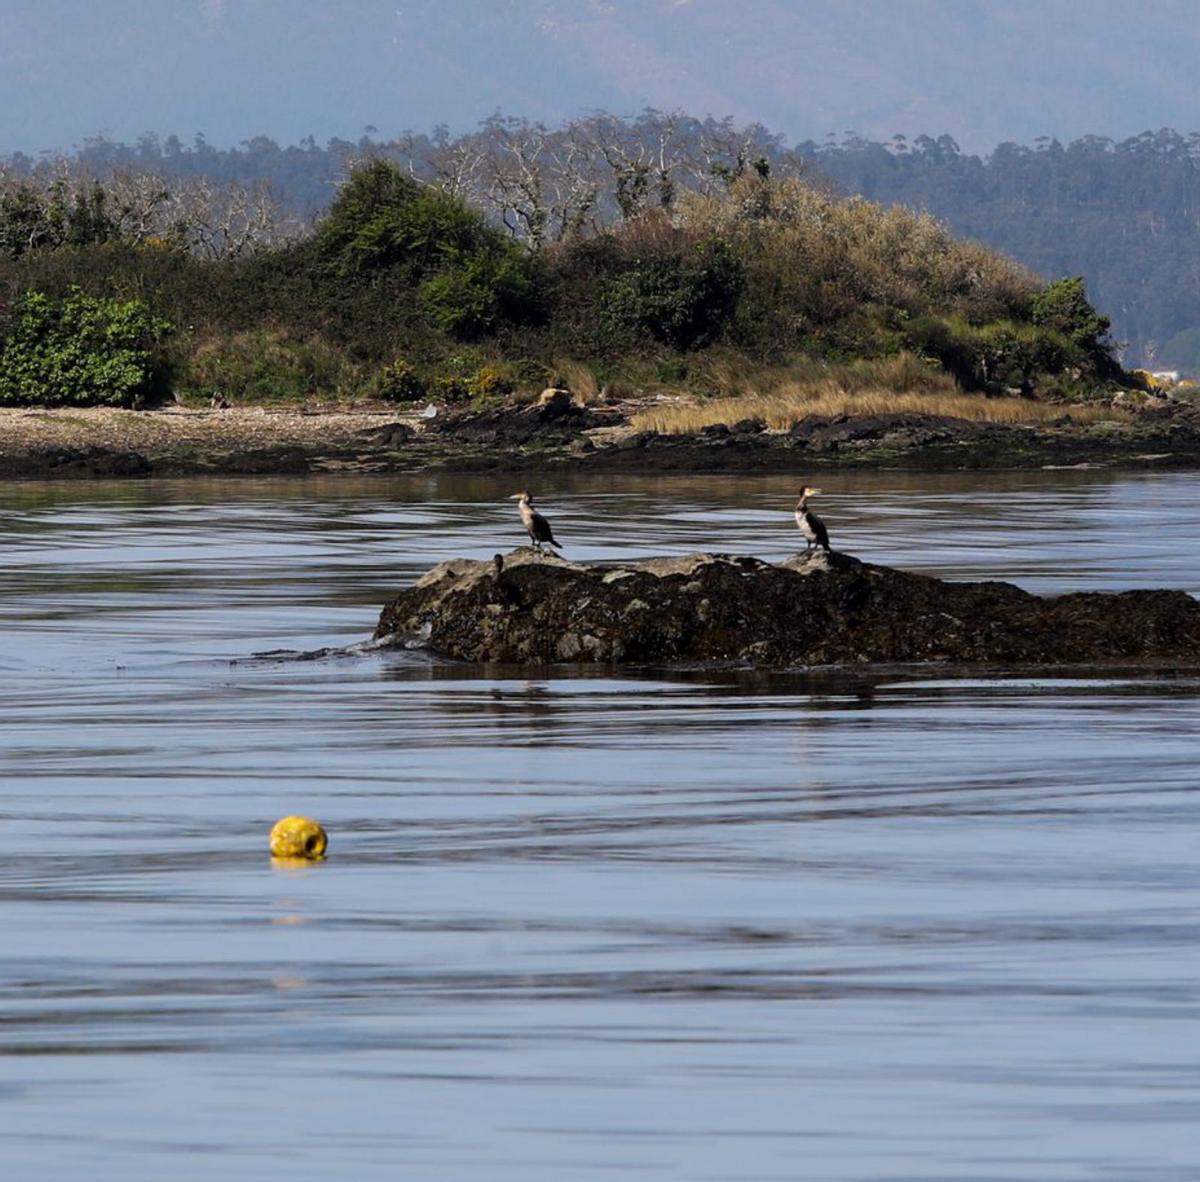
[
  {"x": 811, "y": 526},
  {"x": 536, "y": 525}
]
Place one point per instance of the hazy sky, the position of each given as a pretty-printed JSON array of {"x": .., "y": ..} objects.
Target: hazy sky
[{"x": 982, "y": 70}]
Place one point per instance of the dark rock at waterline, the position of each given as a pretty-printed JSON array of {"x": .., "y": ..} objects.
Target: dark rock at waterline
[
  {"x": 831, "y": 432},
  {"x": 752, "y": 426},
  {"x": 557, "y": 418},
  {"x": 817, "y": 609},
  {"x": 91, "y": 463},
  {"x": 106, "y": 462},
  {"x": 388, "y": 435}
]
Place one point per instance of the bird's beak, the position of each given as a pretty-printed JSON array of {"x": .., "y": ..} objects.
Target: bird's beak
[
  {"x": 812, "y": 492},
  {"x": 516, "y": 496}
]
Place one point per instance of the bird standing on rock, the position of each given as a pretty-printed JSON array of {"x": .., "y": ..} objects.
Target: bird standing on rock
[
  {"x": 535, "y": 524},
  {"x": 811, "y": 526}
]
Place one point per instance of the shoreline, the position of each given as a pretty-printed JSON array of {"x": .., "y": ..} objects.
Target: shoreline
[{"x": 106, "y": 443}]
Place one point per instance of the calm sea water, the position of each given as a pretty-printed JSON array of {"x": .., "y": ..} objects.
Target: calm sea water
[{"x": 895, "y": 926}]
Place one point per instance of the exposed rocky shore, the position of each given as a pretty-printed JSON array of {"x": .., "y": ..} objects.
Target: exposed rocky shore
[
  {"x": 818, "y": 609},
  {"x": 106, "y": 443}
]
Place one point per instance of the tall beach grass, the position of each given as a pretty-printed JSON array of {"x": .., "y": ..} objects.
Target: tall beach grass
[{"x": 902, "y": 384}]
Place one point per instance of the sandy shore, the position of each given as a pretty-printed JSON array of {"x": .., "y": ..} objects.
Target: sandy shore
[{"x": 155, "y": 433}]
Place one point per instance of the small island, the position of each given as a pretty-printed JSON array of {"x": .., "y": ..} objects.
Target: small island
[
  {"x": 749, "y": 319},
  {"x": 813, "y": 609}
]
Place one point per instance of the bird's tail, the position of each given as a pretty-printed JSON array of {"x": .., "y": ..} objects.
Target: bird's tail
[{"x": 554, "y": 544}]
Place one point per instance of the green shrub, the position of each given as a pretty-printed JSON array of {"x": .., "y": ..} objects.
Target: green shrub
[
  {"x": 490, "y": 386},
  {"x": 671, "y": 371},
  {"x": 266, "y": 365},
  {"x": 452, "y": 381},
  {"x": 479, "y": 292},
  {"x": 420, "y": 230},
  {"x": 1063, "y": 306},
  {"x": 398, "y": 382},
  {"x": 1001, "y": 355},
  {"x": 682, "y": 299},
  {"x": 463, "y": 364},
  {"x": 32, "y": 218},
  {"x": 530, "y": 374},
  {"x": 370, "y": 192},
  {"x": 1065, "y": 388},
  {"x": 470, "y": 277},
  {"x": 450, "y": 388},
  {"x": 82, "y": 351}
]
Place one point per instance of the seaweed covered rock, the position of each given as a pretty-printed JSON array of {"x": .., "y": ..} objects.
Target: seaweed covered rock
[{"x": 816, "y": 609}]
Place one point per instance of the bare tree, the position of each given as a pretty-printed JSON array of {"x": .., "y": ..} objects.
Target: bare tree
[
  {"x": 573, "y": 182},
  {"x": 139, "y": 200},
  {"x": 628, "y": 159},
  {"x": 225, "y": 221},
  {"x": 540, "y": 184},
  {"x": 720, "y": 152},
  {"x": 512, "y": 180},
  {"x": 452, "y": 163},
  {"x": 456, "y": 163},
  {"x": 543, "y": 184}
]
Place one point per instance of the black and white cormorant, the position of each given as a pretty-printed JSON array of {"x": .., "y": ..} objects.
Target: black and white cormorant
[
  {"x": 535, "y": 524},
  {"x": 811, "y": 526}
]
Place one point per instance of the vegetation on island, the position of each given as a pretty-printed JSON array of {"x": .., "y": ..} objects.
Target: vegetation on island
[
  {"x": 1119, "y": 212},
  {"x": 83, "y": 350},
  {"x": 736, "y": 280}
]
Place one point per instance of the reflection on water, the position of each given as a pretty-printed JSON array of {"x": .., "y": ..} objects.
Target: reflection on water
[{"x": 880, "y": 926}]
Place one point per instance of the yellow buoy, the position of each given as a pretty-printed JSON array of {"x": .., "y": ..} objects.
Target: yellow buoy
[{"x": 298, "y": 837}]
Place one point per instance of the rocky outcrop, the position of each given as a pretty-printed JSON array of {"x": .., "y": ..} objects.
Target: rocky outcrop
[
  {"x": 556, "y": 418},
  {"x": 814, "y": 609}
]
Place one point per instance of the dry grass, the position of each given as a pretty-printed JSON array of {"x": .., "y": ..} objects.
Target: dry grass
[
  {"x": 782, "y": 409},
  {"x": 813, "y": 252},
  {"x": 903, "y": 373},
  {"x": 580, "y": 379},
  {"x": 892, "y": 385}
]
